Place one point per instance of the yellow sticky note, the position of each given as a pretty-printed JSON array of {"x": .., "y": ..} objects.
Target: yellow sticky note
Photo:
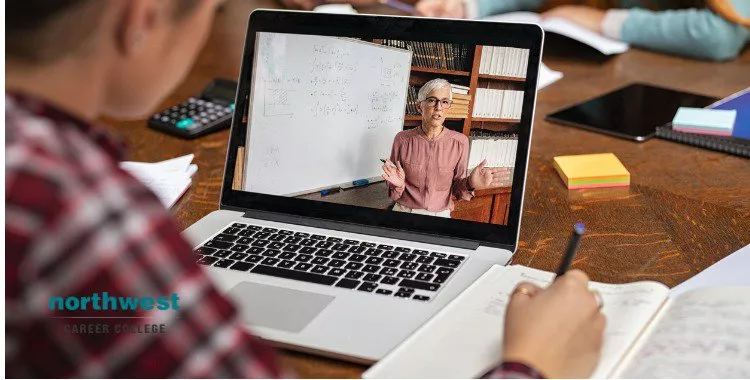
[{"x": 592, "y": 170}]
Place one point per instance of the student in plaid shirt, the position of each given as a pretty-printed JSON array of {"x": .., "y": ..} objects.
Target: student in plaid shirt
[{"x": 77, "y": 225}]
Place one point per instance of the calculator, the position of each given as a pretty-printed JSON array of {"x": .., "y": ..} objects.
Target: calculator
[{"x": 208, "y": 112}]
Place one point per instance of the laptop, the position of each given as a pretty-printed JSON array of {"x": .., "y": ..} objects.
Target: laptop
[{"x": 310, "y": 241}]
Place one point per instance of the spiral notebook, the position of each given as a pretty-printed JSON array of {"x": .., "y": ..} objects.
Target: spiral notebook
[{"x": 737, "y": 144}]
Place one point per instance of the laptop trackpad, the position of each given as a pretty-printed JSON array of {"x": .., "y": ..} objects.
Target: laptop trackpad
[{"x": 278, "y": 308}]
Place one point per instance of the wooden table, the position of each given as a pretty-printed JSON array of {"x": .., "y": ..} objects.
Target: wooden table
[{"x": 685, "y": 209}]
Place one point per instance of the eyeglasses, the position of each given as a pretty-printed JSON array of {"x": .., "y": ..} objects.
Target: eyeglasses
[{"x": 433, "y": 101}]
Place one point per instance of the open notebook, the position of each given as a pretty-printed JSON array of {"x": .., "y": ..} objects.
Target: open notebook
[{"x": 704, "y": 333}]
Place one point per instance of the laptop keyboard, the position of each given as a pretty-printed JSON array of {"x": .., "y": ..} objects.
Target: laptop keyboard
[{"x": 384, "y": 269}]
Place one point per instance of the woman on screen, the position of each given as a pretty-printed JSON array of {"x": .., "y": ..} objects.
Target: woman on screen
[{"x": 428, "y": 163}]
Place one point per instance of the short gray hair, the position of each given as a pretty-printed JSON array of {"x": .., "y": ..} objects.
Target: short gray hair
[{"x": 431, "y": 86}]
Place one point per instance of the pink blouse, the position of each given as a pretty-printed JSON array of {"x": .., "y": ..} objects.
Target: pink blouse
[{"x": 434, "y": 169}]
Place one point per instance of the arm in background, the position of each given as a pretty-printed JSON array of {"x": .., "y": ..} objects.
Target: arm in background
[
  {"x": 486, "y": 8},
  {"x": 696, "y": 33}
]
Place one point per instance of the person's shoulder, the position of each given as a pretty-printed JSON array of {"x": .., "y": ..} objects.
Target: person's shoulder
[
  {"x": 406, "y": 134},
  {"x": 457, "y": 137}
]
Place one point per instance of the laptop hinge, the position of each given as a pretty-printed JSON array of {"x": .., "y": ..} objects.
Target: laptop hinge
[{"x": 361, "y": 229}]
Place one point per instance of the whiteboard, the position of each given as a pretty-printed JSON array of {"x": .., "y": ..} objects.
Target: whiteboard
[{"x": 323, "y": 111}]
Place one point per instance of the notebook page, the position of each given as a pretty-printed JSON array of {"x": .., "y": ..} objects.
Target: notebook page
[
  {"x": 703, "y": 333},
  {"x": 464, "y": 339}
]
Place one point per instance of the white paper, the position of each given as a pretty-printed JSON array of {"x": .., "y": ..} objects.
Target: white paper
[
  {"x": 547, "y": 76},
  {"x": 731, "y": 270},
  {"x": 168, "y": 179},
  {"x": 335, "y": 8}
]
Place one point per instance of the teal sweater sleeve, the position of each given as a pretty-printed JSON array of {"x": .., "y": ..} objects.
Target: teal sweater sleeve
[
  {"x": 492, "y": 7},
  {"x": 697, "y": 33}
]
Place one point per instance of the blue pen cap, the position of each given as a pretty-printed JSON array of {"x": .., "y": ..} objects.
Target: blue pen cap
[{"x": 579, "y": 228}]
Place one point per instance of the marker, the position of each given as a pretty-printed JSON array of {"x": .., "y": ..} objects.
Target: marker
[
  {"x": 387, "y": 163},
  {"x": 360, "y": 182},
  {"x": 567, "y": 259},
  {"x": 332, "y": 190}
]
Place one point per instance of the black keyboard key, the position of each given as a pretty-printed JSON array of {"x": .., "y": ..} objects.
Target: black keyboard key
[
  {"x": 334, "y": 239},
  {"x": 292, "y": 240},
  {"x": 347, "y": 283},
  {"x": 224, "y": 263},
  {"x": 406, "y": 274},
  {"x": 241, "y": 266},
  {"x": 372, "y": 277},
  {"x": 391, "y": 263},
  {"x": 336, "y": 272},
  {"x": 409, "y": 266},
  {"x": 438, "y": 254},
  {"x": 324, "y": 244},
  {"x": 371, "y": 268},
  {"x": 319, "y": 269},
  {"x": 245, "y": 240},
  {"x": 307, "y": 250},
  {"x": 457, "y": 257},
  {"x": 277, "y": 237},
  {"x": 419, "y": 251},
  {"x": 262, "y": 235},
  {"x": 303, "y": 258},
  {"x": 424, "y": 276},
  {"x": 384, "y": 291},
  {"x": 419, "y": 285},
  {"x": 357, "y": 258},
  {"x": 240, "y": 225},
  {"x": 260, "y": 243},
  {"x": 367, "y": 287},
  {"x": 271, "y": 252},
  {"x": 207, "y": 260},
  {"x": 225, "y": 237},
  {"x": 286, "y": 232},
  {"x": 223, "y": 253},
  {"x": 421, "y": 298},
  {"x": 270, "y": 261},
  {"x": 287, "y": 255},
  {"x": 303, "y": 266},
  {"x": 407, "y": 256},
  {"x": 319, "y": 260},
  {"x": 374, "y": 260},
  {"x": 441, "y": 278},
  {"x": 239, "y": 248},
  {"x": 389, "y": 271},
  {"x": 367, "y": 244},
  {"x": 252, "y": 227},
  {"x": 323, "y": 252},
  {"x": 254, "y": 259},
  {"x": 389, "y": 255},
  {"x": 354, "y": 274},
  {"x": 294, "y": 275},
  {"x": 351, "y": 242},
  {"x": 447, "y": 263},
  {"x": 238, "y": 256},
  {"x": 340, "y": 247},
  {"x": 406, "y": 290},
  {"x": 218, "y": 244},
  {"x": 353, "y": 266},
  {"x": 402, "y": 249},
  {"x": 425, "y": 259},
  {"x": 231, "y": 231},
  {"x": 444, "y": 270},
  {"x": 301, "y": 234},
  {"x": 389, "y": 280},
  {"x": 276, "y": 245},
  {"x": 255, "y": 250},
  {"x": 286, "y": 264},
  {"x": 374, "y": 251},
  {"x": 400, "y": 294},
  {"x": 426, "y": 268},
  {"x": 246, "y": 233},
  {"x": 292, "y": 247},
  {"x": 317, "y": 237},
  {"x": 385, "y": 247},
  {"x": 270, "y": 230},
  {"x": 357, "y": 249},
  {"x": 336, "y": 263},
  {"x": 205, "y": 251},
  {"x": 340, "y": 255}
]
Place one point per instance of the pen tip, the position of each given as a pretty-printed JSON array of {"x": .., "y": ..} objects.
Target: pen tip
[{"x": 579, "y": 228}]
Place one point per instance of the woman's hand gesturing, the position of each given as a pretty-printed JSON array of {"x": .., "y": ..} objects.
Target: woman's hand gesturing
[{"x": 394, "y": 174}]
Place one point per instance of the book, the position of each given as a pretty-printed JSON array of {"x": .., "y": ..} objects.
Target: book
[
  {"x": 585, "y": 171},
  {"x": 499, "y": 149},
  {"x": 604, "y": 45},
  {"x": 498, "y": 104},
  {"x": 649, "y": 334},
  {"x": 738, "y": 143}
]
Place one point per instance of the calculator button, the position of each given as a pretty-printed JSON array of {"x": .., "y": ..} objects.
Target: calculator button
[
  {"x": 201, "y": 101},
  {"x": 164, "y": 119},
  {"x": 191, "y": 100},
  {"x": 184, "y": 123},
  {"x": 212, "y": 117},
  {"x": 231, "y": 106}
]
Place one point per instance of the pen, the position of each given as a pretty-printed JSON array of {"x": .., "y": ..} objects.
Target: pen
[
  {"x": 575, "y": 239},
  {"x": 395, "y": 4},
  {"x": 387, "y": 163}
]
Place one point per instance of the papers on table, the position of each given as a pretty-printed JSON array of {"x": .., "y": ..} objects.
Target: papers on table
[
  {"x": 731, "y": 270},
  {"x": 167, "y": 179},
  {"x": 547, "y": 76}
]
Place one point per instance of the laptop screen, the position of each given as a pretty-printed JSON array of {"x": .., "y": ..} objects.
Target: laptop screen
[{"x": 427, "y": 130}]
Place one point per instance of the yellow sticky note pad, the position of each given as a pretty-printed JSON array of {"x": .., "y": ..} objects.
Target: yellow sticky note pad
[{"x": 592, "y": 170}]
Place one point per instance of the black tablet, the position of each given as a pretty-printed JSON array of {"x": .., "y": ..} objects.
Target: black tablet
[{"x": 632, "y": 112}]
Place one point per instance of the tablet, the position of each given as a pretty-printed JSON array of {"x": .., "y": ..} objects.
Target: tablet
[{"x": 632, "y": 112}]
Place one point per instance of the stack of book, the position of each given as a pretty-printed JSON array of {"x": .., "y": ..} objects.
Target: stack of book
[
  {"x": 504, "y": 61},
  {"x": 411, "y": 101},
  {"x": 498, "y": 149},
  {"x": 498, "y": 104},
  {"x": 435, "y": 55}
]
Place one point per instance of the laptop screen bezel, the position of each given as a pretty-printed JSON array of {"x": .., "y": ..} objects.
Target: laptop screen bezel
[{"x": 526, "y": 36}]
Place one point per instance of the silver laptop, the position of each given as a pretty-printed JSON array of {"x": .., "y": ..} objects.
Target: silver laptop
[{"x": 308, "y": 240}]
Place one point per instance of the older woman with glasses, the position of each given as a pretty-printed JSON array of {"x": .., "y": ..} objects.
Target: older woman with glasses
[{"x": 428, "y": 163}]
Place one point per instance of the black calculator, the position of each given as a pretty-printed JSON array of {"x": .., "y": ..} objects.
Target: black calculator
[{"x": 208, "y": 112}]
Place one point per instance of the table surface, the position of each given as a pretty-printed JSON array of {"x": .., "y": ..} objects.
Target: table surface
[{"x": 685, "y": 209}]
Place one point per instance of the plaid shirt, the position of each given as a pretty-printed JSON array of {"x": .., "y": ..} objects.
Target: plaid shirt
[{"x": 76, "y": 224}]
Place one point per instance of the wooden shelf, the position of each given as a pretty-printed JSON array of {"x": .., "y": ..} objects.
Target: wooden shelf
[
  {"x": 499, "y": 77},
  {"x": 418, "y": 117},
  {"x": 493, "y": 120},
  {"x": 495, "y": 127},
  {"x": 440, "y": 71}
]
